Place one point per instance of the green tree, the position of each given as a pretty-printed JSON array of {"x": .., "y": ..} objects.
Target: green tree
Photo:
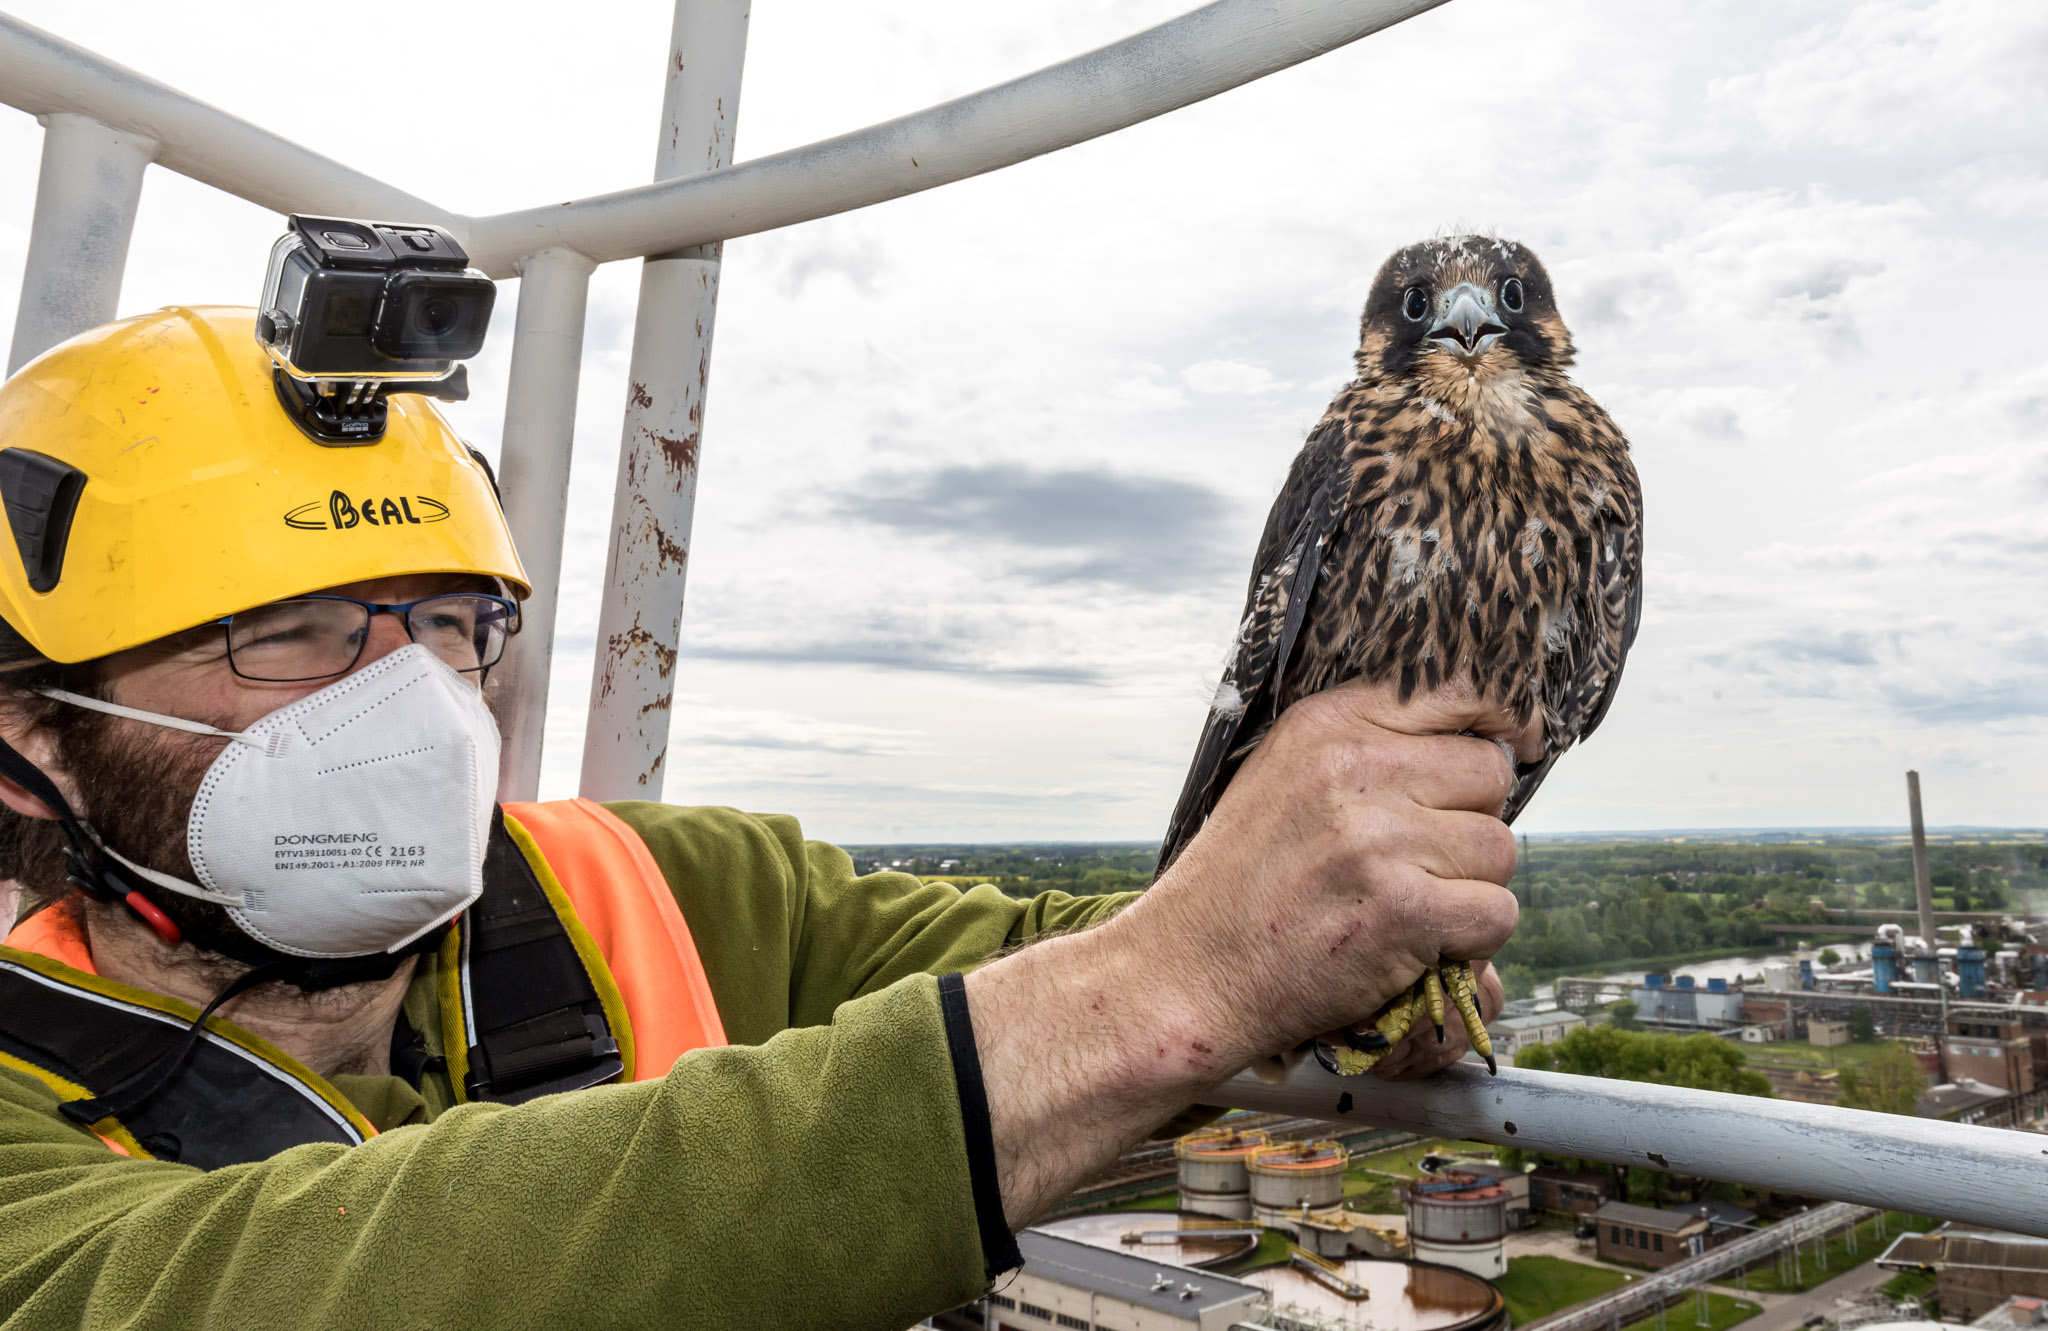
[
  {"x": 1621, "y": 1015},
  {"x": 1862, "y": 1025},
  {"x": 1830, "y": 957},
  {"x": 1517, "y": 980},
  {"x": 1890, "y": 1082},
  {"x": 1704, "y": 1062}
]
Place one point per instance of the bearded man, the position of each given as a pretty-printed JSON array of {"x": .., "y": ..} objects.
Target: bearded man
[{"x": 309, "y": 1031}]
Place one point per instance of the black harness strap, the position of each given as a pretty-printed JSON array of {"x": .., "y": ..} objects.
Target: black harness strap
[
  {"x": 99, "y": 1042},
  {"x": 539, "y": 1025}
]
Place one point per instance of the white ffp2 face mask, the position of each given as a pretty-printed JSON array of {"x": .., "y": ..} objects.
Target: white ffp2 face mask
[{"x": 350, "y": 822}]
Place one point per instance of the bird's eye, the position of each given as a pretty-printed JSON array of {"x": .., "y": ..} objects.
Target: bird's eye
[
  {"x": 1511, "y": 295},
  {"x": 1416, "y": 303}
]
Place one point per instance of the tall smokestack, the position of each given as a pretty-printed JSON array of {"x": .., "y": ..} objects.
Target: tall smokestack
[{"x": 1921, "y": 883}]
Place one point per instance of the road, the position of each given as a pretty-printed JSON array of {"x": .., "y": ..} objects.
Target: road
[{"x": 1787, "y": 1312}]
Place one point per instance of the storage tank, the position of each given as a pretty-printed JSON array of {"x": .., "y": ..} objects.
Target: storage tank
[
  {"x": 1212, "y": 1175},
  {"x": 1400, "y": 1296},
  {"x": 1650, "y": 999},
  {"x": 1163, "y": 1236},
  {"x": 1884, "y": 965},
  {"x": 1287, "y": 1177},
  {"x": 1460, "y": 1221},
  {"x": 1970, "y": 971}
]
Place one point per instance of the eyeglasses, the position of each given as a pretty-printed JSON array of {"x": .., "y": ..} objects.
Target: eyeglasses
[{"x": 316, "y": 637}]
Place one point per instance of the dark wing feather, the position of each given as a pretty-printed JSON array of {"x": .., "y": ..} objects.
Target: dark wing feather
[
  {"x": 1283, "y": 578},
  {"x": 1593, "y": 674}
]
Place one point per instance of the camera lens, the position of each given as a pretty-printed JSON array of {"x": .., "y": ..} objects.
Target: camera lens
[
  {"x": 436, "y": 316},
  {"x": 433, "y": 316}
]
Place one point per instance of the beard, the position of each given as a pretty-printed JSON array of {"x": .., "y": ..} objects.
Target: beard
[{"x": 135, "y": 786}]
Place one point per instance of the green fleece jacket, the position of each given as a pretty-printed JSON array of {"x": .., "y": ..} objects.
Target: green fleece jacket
[{"x": 812, "y": 1174}]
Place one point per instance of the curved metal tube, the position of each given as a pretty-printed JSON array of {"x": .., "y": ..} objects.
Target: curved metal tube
[
  {"x": 43, "y": 74},
  {"x": 1184, "y": 60},
  {"x": 1989, "y": 1176}
]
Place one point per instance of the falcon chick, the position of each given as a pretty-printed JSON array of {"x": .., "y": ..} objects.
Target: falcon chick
[{"x": 1463, "y": 509}]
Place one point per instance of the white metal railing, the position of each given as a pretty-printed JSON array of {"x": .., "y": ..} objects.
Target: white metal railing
[
  {"x": 105, "y": 124},
  {"x": 74, "y": 270},
  {"x": 1990, "y": 1176}
]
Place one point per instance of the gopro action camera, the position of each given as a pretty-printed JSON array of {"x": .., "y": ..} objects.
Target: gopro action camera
[{"x": 353, "y": 311}]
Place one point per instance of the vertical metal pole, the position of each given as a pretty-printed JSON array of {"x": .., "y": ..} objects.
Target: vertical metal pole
[
  {"x": 1921, "y": 882},
  {"x": 533, "y": 465},
  {"x": 78, "y": 246},
  {"x": 640, "y": 622}
]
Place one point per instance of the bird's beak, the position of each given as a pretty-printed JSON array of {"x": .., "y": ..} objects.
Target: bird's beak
[{"x": 1468, "y": 324}]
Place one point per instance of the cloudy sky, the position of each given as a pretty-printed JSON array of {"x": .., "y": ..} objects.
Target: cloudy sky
[{"x": 983, "y": 468}]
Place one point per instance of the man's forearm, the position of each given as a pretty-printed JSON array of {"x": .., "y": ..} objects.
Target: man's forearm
[{"x": 1082, "y": 1053}]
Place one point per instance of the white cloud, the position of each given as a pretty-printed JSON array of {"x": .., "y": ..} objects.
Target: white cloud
[{"x": 1791, "y": 242}]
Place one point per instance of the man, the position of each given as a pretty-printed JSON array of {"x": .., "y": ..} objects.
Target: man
[{"x": 244, "y": 752}]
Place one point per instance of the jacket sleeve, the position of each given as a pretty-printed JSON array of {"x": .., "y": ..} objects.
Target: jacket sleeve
[
  {"x": 788, "y": 931},
  {"x": 820, "y": 1175}
]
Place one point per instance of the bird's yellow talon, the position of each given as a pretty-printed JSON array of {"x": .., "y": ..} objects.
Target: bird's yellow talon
[
  {"x": 1464, "y": 987},
  {"x": 1433, "y": 994},
  {"x": 1362, "y": 1049}
]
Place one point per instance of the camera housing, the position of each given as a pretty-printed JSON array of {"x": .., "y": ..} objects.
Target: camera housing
[{"x": 354, "y": 310}]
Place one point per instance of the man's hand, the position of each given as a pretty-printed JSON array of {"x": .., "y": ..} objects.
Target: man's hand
[{"x": 1360, "y": 843}]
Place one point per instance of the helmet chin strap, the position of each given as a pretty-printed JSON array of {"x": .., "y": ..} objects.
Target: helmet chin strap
[{"x": 85, "y": 864}]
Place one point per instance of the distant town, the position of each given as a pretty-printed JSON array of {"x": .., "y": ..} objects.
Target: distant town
[{"x": 1831, "y": 966}]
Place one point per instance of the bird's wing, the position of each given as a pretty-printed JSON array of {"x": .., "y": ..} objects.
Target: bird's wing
[
  {"x": 1283, "y": 579},
  {"x": 1599, "y": 653}
]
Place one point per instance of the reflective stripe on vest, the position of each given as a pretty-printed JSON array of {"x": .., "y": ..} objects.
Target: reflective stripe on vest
[
  {"x": 605, "y": 898},
  {"x": 625, "y": 903}
]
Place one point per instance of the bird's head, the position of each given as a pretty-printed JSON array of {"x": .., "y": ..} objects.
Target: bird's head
[{"x": 1473, "y": 305}]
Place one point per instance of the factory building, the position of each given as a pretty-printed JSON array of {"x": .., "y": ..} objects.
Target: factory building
[
  {"x": 1512, "y": 1033},
  {"x": 1975, "y": 1270},
  {"x": 1213, "y": 1180},
  {"x": 1649, "y": 1235},
  {"x": 1681, "y": 1002},
  {"x": 1067, "y": 1285},
  {"x": 1569, "y": 1192},
  {"x": 1996, "y": 1052}
]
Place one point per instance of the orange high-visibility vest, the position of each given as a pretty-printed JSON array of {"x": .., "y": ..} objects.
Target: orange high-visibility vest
[{"x": 615, "y": 909}]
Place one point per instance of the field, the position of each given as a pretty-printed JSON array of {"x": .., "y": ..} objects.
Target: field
[
  {"x": 1405, "y": 1160},
  {"x": 1723, "y": 1311},
  {"x": 1801, "y": 1056},
  {"x": 1539, "y": 1286},
  {"x": 1869, "y": 1243}
]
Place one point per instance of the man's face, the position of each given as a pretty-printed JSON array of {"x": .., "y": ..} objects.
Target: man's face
[
  {"x": 188, "y": 675},
  {"x": 135, "y": 781}
]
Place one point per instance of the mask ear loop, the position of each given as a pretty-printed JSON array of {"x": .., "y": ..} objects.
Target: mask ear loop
[{"x": 83, "y": 862}]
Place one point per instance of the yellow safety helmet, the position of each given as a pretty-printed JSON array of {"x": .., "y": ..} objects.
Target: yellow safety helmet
[{"x": 152, "y": 482}]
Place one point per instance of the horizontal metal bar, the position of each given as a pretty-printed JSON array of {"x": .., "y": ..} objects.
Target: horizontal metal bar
[
  {"x": 1184, "y": 60},
  {"x": 1989, "y": 1176},
  {"x": 43, "y": 74}
]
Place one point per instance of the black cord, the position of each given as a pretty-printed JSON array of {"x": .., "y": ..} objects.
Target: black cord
[{"x": 140, "y": 1086}]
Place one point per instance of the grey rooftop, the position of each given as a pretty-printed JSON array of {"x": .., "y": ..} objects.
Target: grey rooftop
[{"x": 1160, "y": 1286}]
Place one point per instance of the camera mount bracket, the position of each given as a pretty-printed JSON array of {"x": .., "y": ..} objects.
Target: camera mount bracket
[{"x": 349, "y": 414}]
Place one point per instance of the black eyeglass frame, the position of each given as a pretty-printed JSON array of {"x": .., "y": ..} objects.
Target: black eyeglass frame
[{"x": 403, "y": 609}]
